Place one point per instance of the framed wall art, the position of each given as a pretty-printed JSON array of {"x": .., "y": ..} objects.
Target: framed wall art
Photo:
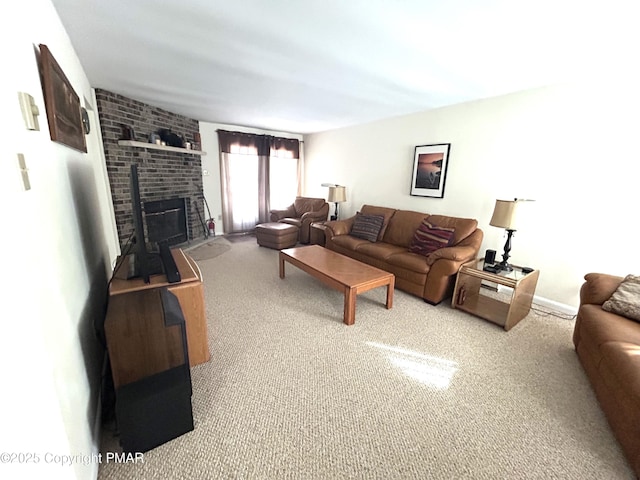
[
  {"x": 430, "y": 170},
  {"x": 62, "y": 103}
]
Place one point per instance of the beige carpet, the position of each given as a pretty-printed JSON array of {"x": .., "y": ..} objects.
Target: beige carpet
[
  {"x": 209, "y": 249},
  {"x": 241, "y": 237},
  {"x": 415, "y": 392}
]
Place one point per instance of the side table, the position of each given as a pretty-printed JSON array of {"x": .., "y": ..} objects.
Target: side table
[
  {"x": 316, "y": 234},
  {"x": 468, "y": 295}
]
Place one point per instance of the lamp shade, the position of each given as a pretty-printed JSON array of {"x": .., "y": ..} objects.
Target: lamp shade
[
  {"x": 505, "y": 214},
  {"x": 337, "y": 194}
]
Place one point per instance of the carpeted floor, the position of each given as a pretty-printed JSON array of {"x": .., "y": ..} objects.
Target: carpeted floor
[
  {"x": 414, "y": 392},
  {"x": 241, "y": 237},
  {"x": 209, "y": 249}
]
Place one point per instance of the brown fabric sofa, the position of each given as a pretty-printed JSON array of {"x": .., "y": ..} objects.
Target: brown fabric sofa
[
  {"x": 302, "y": 213},
  {"x": 429, "y": 277},
  {"x": 608, "y": 346}
]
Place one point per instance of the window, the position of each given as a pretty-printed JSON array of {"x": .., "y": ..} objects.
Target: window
[
  {"x": 243, "y": 188},
  {"x": 283, "y": 178},
  {"x": 258, "y": 173}
]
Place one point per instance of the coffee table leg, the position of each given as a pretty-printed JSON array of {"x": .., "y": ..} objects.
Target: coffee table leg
[
  {"x": 281, "y": 262},
  {"x": 349, "y": 306},
  {"x": 390, "y": 288}
]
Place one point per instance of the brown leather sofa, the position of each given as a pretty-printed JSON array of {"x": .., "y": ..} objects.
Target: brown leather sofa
[
  {"x": 430, "y": 277},
  {"x": 302, "y": 213},
  {"x": 608, "y": 346}
]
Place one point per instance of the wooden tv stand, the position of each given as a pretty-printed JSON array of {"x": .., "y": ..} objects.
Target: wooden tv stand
[{"x": 190, "y": 294}]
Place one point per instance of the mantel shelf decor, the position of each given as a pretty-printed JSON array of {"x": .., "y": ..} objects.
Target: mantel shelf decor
[{"x": 153, "y": 146}]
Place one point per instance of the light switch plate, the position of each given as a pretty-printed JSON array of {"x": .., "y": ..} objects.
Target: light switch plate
[
  {"x": 24, "y": 171},
  {"x": 29, "y": 110}
]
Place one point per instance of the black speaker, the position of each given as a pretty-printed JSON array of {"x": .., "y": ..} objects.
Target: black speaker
[
  {"x": 154, "y": 410},
  {"x": 490, "y": 256}
]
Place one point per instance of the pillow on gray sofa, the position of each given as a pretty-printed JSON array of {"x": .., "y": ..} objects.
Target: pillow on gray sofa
[
  {"x": 367, "y": 227},
  {"x": 625, "y": 300}
]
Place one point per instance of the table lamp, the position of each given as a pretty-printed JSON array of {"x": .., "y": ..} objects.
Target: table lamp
[
  {"x": 337, "y": 194},
  {"x": 505, "y": 215}
]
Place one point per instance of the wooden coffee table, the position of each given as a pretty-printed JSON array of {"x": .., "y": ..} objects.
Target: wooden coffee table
[{"x": 340, "y": 273}]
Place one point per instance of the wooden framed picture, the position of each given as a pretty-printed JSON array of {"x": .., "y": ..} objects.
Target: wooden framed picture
[
  {"x": 62, "y": 103},
  {"x": 430, "y": 170}
]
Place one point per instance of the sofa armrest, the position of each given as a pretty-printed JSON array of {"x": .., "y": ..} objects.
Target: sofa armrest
[
  {"x": 458, "y": 254},
  {"x": 443, "y": 268},
  {"x": 277, "y": 215},
  {"x": 339, "y": 227},
  {"x": 598, "y": 288}
]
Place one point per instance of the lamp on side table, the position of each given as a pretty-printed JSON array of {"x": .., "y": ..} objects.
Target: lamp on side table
[
  {"x": 337, "y": 194},
  {"x": 505, "y": 215}
]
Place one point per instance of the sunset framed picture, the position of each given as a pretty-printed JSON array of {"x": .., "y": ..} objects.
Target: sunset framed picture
[{"x": 430, "y": 170}]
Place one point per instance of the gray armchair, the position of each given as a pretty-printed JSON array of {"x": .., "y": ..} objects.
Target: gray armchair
[{"x": 302, "y": 213}]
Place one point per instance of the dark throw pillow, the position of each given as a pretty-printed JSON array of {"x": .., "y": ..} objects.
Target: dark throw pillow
[
  {"x": 429, "y": 238},
  {"x": 625, "y": 300},
  {"x": 367, "y": 227}
]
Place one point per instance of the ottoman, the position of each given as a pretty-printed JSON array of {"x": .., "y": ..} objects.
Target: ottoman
[{"x": 276, "y": 235}]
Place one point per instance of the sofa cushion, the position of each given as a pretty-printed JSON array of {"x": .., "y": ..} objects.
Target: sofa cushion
[
  {"x": 428, "y": 238},
  {"x": 625, "y": 300},
  {"x": 367, "y": 227},
  {"x": 348, "y": 242},
  {"x": 387, "y": 213},
  {"x": 409, "y": 261},
  {"x": 379, "y": 250},
  {"x": 402, "y": 226}
]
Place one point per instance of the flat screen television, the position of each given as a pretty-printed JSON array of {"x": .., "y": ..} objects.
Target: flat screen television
[{"x": 146, "y": 263}]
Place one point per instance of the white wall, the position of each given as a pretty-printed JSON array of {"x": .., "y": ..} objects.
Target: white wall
[
  {"x": 211, "y": 164},
  {"x": 58, "y": 243},
  {"x": 572, "y": 148}
]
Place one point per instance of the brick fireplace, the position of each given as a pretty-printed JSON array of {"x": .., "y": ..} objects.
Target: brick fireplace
[
  {"x": 166, "y": 178},
  {"x": 167, "y": 220}
]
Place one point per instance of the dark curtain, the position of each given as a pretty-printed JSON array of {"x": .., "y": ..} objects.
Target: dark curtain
[
  {"x": 264, "y": 143},
  {"x": 230, "y": 143}
]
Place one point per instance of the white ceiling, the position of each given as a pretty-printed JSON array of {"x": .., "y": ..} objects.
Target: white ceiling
[{"x": 310, "y": 65}]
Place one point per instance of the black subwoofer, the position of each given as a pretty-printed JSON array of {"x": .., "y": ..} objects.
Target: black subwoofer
[{"x": 154, "y": 410}]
